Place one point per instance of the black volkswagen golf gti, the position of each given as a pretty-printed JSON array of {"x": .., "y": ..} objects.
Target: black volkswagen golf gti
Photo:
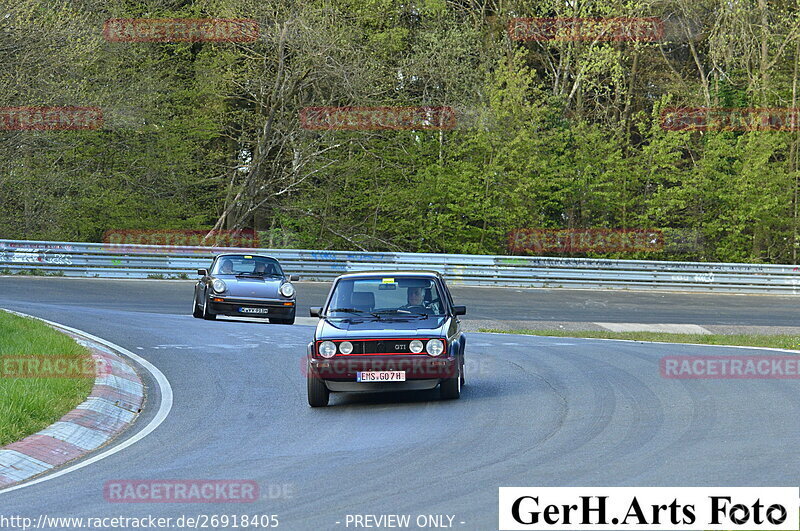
[{"x": 386, "y": 331}]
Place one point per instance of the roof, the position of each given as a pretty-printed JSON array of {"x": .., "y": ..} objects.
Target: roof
[
  {"x": 399, "y": 273},
  {"x": 246, "y": 254}
]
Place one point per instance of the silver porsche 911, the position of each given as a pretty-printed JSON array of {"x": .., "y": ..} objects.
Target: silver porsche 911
[{"x": 245, "y": 285}]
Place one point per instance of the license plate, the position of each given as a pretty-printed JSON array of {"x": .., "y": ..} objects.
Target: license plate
[
  {"x": 381, "y": 376},
  {"x": 253, "y": 310}
]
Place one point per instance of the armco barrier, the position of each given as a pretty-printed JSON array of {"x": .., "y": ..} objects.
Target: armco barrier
[{"x": 143, "y": 261}]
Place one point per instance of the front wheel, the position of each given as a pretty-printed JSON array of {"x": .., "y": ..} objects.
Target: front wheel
[
  {"x": 208, "y": 316},
  {"x": 318, "y": 394},
  {"x": 197, "y": 312},
  {"x": 450, "y": 388}
]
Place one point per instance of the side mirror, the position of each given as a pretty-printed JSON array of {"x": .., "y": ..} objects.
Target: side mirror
[
  {"x": 294, "y": 278},
  {"x": 315, "y": 311},
  {"x": 202, "y": 272},
  {"x": 460, "y": 310}
]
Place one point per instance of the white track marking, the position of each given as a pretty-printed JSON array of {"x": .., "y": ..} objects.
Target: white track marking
[{"x": 641, "y": 327}]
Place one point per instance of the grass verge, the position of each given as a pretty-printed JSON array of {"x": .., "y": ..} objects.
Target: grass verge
[
  {"x": 32, "y": 403},
  {"x": 748, "y": 340}
]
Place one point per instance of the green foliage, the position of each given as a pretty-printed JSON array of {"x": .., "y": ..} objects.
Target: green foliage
[{"x": 550, "y": 134}]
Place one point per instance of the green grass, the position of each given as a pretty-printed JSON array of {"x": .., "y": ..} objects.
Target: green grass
[
  {"x": 32, "y": 273},
  {"x": 28, "y": 405},
  {"x": 749, "y": 340}
]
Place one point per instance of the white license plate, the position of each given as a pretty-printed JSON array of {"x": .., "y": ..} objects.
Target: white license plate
[
  {"x": 253, "y": 310},
  {"x": 381, "y": 376}
]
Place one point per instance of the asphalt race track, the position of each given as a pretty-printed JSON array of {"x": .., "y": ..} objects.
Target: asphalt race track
[
  {"x": 482, "y": 302},
  {"x": 536, "y": 411}
]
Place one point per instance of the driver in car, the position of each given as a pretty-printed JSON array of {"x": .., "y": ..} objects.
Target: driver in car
[
  {"x": 415, "y": 298},
  {"x": 262, "y": 268}
]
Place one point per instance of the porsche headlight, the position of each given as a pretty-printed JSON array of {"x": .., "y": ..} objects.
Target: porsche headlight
[
  {"x": 434, "y": 347},
  {"x": 327, "y": 349},
  {"x": 218, "y": 285},
  {"x": 415, "y": 346},
  {"x": 287, "y": 290},
  {"x": 345, "y": 347}
]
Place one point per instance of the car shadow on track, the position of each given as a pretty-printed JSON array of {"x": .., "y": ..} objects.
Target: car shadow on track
[{"x": 468, "y": 394}]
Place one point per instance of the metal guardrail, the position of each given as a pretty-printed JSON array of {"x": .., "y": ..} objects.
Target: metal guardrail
[{"x": 148, "y": 261}]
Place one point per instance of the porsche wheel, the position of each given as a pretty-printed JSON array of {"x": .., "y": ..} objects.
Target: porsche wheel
[
  {"x": 197, "y": 312},
  {"x": 206, "y": 315}
]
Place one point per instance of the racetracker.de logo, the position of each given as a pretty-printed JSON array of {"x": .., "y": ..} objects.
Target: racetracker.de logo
[
  {"x": 726, "y": 119},
  {"x": 181, "y": 491},
  {"x": 50, "y": 118},
  {"x": 247, "y": 238},
  {"x": 730, "y": 367},
  {"x": 585, "y": 240},
  {"x": 180, "y": 30},
  {"x": 646, "y": 29},
  {"x": 375, "y": 118},
  {"x": 53, "y": 366}
]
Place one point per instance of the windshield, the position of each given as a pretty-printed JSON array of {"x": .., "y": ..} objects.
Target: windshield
[
  {"x": 246, "y": 265},
  {"x": 388, "y": 297}
]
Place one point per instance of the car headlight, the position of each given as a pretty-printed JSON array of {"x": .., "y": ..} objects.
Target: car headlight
[
  {"x": 345, "y": 347},
  {"x": 218, "y": 285},
  {"x": 287, "y": 290},
  {"x": 415, "y": 346},
  {"x": 327, "y": 349},
  {"x": 434, "y": 347}
]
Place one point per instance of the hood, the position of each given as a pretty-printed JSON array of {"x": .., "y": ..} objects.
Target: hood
[
  {"x": 266, "y": 287},
  {"x": 353, "y": 327}
]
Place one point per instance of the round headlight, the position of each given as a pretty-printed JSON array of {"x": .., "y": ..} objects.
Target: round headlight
[
  {"x": 415, "y": 346},
  {"x": 218, "y": 285},
  {"x": 434, "y": 347},
  {"x": 327, "y": 349},
  {"x": 287, "y": 290},
  {"x": 345, "y": 347}
]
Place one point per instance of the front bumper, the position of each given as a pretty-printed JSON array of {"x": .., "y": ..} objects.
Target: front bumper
[
  {"x": 340, "y": 371},
  {"x": 258, "y": 307},
  {"x": 338, "y": 386}
]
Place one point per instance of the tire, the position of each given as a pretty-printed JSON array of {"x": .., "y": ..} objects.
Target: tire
[
  {"x": 275, "y": 320},
  {"x": 463, "y": 372},
  {"x": 318, "y": 394},
  {"x": 450, "y": 388},
  {"x": 208, "y": 316},
  {"x": 197, "y": 312}
]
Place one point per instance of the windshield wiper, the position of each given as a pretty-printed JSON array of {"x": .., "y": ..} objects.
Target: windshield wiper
[
  {"x": 347, "y": 310},
  {"x": 404, "y": 313}
]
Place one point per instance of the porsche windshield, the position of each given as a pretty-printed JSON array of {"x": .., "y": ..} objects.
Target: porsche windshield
[
  {"x": 387, "y": 297},
  {"x": 246, "y": 265}
]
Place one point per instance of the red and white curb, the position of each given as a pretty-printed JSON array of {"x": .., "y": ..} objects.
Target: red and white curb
[{"x": 114, "y": 404}]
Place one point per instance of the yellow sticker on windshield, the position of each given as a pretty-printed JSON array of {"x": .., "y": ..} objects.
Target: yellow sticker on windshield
[
  {"x": 388, "y": 281},
  {"x": 248, "y": 257}
]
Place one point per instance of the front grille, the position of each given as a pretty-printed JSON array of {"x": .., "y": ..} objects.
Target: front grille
[{"x": 384, "y": 346}]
